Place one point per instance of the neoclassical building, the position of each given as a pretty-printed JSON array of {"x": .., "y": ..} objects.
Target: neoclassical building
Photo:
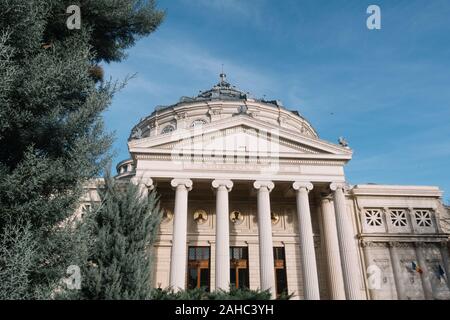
[{"x": 253, "y": 197}]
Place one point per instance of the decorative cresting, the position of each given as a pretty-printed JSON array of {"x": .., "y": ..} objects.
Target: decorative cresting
[
  {"x": 178, "y": 256},
  {"x": 333, "y": 258},
  {"x": 222, "y": 233},
  {"x": 267, "y": 273},
  {"x": 308, "y": 255},
  {"x": 347, "y": 244}
]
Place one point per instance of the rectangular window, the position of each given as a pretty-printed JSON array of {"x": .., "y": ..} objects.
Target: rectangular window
[
  {"x": 198, "y": 268},
  {"x": 280, "y": 270},
  {"x": 239, "y": 267}
]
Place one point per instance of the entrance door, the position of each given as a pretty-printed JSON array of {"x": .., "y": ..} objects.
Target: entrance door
[
  {"x": 239, "y": 267},
  {"x": 198, "y": 268},
  {"x": 280, "y": 270}
]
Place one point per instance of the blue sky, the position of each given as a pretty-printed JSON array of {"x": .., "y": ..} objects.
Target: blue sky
[{"x": 386, "y": 91}]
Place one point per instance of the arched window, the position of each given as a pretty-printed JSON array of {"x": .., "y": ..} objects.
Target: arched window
[
  {"x": 167, "y": 129},
  {"x": 198, "y": 122}
]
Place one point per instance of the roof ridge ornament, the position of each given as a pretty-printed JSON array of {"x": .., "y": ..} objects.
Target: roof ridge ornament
[
  {"x": 243, "y": 110},
  {"x": 343, "y": 142},
  {"x": 223, "y": 80}
]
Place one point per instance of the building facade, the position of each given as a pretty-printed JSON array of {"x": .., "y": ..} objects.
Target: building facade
[{"x": 253, "y": 197}]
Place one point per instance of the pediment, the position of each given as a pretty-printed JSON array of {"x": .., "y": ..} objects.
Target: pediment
[{"x": 240, "y": 136}]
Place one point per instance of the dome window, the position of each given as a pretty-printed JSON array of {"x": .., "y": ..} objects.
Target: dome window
[
  {"x": 167, "y": 129},
  {"x": 198, "y": 122}
]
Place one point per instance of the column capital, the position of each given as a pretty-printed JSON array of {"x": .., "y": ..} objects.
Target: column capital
[
  {"x": 258, "y": 184},
  {"x": 144, "y": 181},
  {"x": 297, "y": 185},
  {"x": 394, "y": 244},
  {"x": 443, "y": 244},
  {"x": 226, "y": 183},
  {"x": 339, "y": 185},
  {"x": 419, "y": 244},
  {"x": 186, "y": 182},
  {"x": 326, "y": 197}
]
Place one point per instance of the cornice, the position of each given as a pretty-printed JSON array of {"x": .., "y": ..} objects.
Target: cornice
[
  {"x": 393, "y": 190},
  {"x": 251, "y": 161}
]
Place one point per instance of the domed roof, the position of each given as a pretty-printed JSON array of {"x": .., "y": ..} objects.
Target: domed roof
[
  {"x": 223, "y": 100},
  {"x": 224, "y": 91}
]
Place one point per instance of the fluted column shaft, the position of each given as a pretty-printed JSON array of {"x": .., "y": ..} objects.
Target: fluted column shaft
[
  {"x": 426, "y": 284},
  {"x": 222, "y": 233},
  {"x": 396, "y": 267},
  {"x": 333, "y": 257},
  {"x": 267, "y": 268},
  {"x": 308, "y": 255},
  {"x": 178, "y": 255},
  {"x": 445, "y": 261},
  {"x": 347, "y": 245}
]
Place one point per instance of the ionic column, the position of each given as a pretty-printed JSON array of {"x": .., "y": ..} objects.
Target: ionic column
[
  {"x": 333, "y": 257},
  {"x": 178, "y": 255},
  {"x": 347, "y": 245},
  {"x": 308, "y": 255},
  {"x": 144, "y": 184},
  {"x": 222, "y": 234},
  {"x": 396, "y": 267},
  {"x": 426, "y": 284},
  {"x": 266, "y": 265}
]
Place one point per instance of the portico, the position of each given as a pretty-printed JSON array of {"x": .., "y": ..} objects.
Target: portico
[{"x": 263, "y": 227}]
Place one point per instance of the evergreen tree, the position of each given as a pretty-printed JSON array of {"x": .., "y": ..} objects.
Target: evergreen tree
[
  {"x": 124, "y": 229},
  {"x": 51, "y": 131}
]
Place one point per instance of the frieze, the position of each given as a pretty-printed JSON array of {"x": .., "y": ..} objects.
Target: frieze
[
  {"x": 188, "y": 158},
  {"x": 398, "y": 244},
  {"x": 373, "y": 244},
  {"x": 422, "y": 244}
]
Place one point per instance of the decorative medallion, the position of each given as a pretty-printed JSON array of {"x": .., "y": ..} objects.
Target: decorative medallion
[
  {"x": 236, "y": 217},
  {"x": 167, "y": 216},
  {"x": 200, "y": 216},
  {"x": 274, "y": 217}
]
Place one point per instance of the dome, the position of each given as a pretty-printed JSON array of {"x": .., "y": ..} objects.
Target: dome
[{"x": 223, "y": 100}]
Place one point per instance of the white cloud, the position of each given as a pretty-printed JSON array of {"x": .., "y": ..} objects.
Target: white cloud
[{"x": 199, "y": 63}]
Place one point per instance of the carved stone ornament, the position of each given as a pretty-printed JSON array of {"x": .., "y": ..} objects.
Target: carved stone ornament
[
  {"x": 136, "y": 133},
  {"x": 200, "y": 216},
  {"x": 236, "y": 217},
  {"x": 167, "y": 216},
  {"x": 275, "y": 217},
  {"x": 242, "y": 110},
  {"x": 373, "y": 244}
]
